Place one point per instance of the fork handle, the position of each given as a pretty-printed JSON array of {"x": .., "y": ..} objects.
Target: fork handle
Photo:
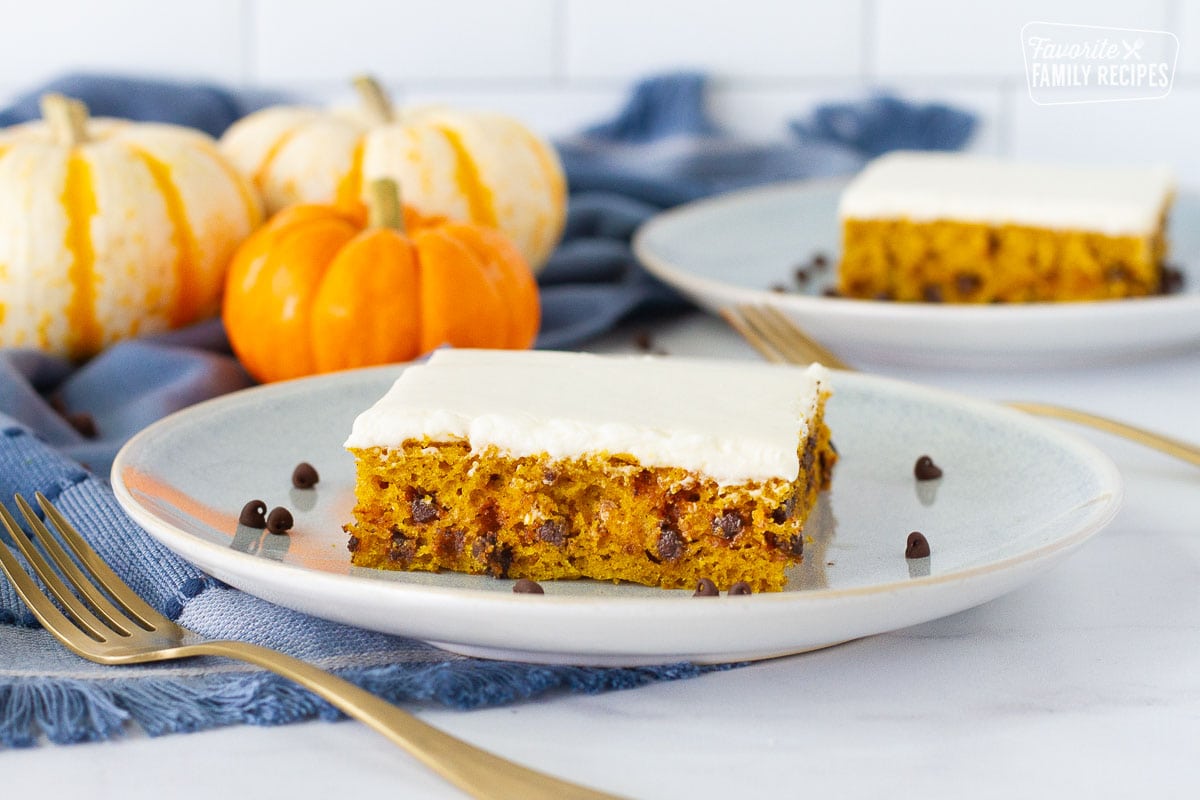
[
  {"x": 477, "y": 772},
  {"x": 1173, "y": 447}
]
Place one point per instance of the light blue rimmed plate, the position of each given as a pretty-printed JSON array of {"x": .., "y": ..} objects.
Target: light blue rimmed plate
[{"x": 1017, "y": 496}]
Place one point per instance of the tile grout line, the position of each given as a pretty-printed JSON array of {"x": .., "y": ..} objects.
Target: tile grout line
[
  {"x": 868, "y": 35},
  {"x": 249, "y": 29},
  {"x": 559, "y": 44}
]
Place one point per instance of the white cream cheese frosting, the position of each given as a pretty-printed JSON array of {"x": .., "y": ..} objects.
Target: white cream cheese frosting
[
  {"x": 1117, "y": 201},
  {"x": 731, "y": 421}
]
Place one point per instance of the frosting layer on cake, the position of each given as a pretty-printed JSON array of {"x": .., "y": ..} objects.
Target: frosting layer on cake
[
  {"x": 923, "y": 187},
  {"x": 730, "y": 421}
]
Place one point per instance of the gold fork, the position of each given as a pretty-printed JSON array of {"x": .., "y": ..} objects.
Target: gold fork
[
  {"x": 777, "y": 338},
  {"x": 103, "y": 620}
]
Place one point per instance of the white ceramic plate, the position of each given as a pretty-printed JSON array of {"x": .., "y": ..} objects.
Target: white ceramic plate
[
  {"x": 1016, "y": 497},
  {"x": 733, "y": 248}
]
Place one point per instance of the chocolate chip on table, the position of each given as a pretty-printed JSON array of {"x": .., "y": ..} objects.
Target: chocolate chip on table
[
  {"x": 526, "y": 586},
  {"x": 819, "y": 260},
  {"x": 254, "y": 514},
  {"x": 741, "y": 587},
  {"x": 279, "y": 520},
  {"x": 917, "y": 546},
  {"x": 305, "y": 476},
  {"x": 926, "y": 470},
  {"x": 705, "y": 588}
]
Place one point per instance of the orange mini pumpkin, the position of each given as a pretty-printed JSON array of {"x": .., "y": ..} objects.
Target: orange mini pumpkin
[{"x": 323, "y": 288}]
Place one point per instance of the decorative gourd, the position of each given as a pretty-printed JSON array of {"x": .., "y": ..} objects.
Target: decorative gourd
[
  {"x": 467, "y": 165},
  {"x": 321, "y": 288},
  {"x": 111, "y": 229}
]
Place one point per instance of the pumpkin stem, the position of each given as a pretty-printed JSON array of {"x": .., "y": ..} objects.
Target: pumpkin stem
[
  {"x": 67, "y": 118},
  {"x": 374, "y": 100},
  {"x": 383, "y": 207}
]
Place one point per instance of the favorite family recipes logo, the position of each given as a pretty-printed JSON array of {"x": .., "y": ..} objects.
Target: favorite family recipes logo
[{"x": 1088, "y": 64}]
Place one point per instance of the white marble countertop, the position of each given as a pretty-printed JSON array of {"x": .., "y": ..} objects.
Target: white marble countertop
[{"x": 1085, "y": 683}]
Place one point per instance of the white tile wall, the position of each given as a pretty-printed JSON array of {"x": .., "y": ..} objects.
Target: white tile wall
[
  {"x": 38, "y": 40},
  {"x": 561, "y": 64},
  {"x": 746, "y": 38}
]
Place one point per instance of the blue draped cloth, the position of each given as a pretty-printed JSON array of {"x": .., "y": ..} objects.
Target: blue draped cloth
[{"x": 61, "y": 423}]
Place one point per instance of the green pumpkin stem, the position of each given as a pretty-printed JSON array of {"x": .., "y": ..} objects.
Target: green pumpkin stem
[
  {"x": 374, "y": 100},
  {"x": 67, "y": 118},
  {"x": 384, "y": 209}
]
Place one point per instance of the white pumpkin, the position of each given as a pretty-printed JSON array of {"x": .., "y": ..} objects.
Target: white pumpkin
[
  {"x": 478, "y": 166},
  {"x": 111, "y": 229}
]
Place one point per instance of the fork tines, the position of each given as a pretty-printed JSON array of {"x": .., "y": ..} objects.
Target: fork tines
[{"x": 87, "y": 596}]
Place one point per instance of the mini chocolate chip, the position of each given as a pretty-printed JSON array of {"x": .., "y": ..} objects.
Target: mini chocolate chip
[
  {"x": 401, "y": 551},
  {"x": 553, "y": 531},
  {"x": 84, "y": 423},
  {"x": 705, "y": 588},
  {"x": 741, "y": 587},
  {"x": 500, "y": 559},
  {"x": 1117, "y": 273},
  {"x": 423, "y": 510},
  {"x": 254, "y": 514},
  {"x": 830, "y": 291},
  {"x": 917, "y": 546},
  {"x": 926, "y": 470},
  {"x": 1171, "y": 279},
  {"x": 352, "y": 544},
  {"x": 796, "y": 545},
  {"x": 279, "y": 520},
  {"x": 305, "y": 476},
  {"x": 967, "y": 283},
  {"x": 801, "y": 275},
  {"x": 932, "y": 294},
  {"x": 820, "y": 260},
  {"x": 670, "y": 544},
  {"x": 729, "y": 524},
  {"x": 526, "y": 586},
  {"x": 643, "y": 341}
]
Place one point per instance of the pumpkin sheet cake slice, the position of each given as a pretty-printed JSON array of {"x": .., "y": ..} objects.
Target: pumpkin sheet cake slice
[
  {"x": 961, "y": 228},
  {"x": 546, "y": 465}
]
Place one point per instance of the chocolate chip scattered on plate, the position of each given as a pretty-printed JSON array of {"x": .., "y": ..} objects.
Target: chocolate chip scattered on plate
[
  {"x": 305, "y": 476},
  {"x": 526, "y": 586},
  {"x": 741, "y": 587},
  {"x": 705, "y": 588},
  {"x": 917, "y": 546},
  {"x": 279, "y": 520},
  {"x": 254, "y": 514},
  {"x": 926, "y": 470}
]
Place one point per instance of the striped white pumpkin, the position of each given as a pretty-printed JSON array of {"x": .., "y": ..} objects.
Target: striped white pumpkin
[
  {"x": 111, "y": 229},
  {"x": 468, "y": 165}
]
